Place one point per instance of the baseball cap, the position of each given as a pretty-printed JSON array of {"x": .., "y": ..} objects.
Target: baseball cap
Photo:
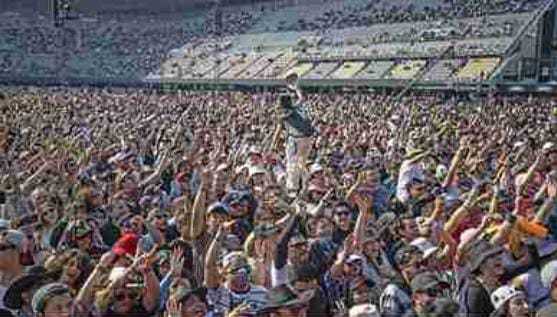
[
  {"x": 364, "y": 310},
  {"x": 425, "y": 281},
  {"x": 45, "y": 293},
  {"x": 427, "y": 248},
  {"x": 13, "y": 238},
  {"x": 218, "y": 208},
  {"x": 127, "y": 244}
]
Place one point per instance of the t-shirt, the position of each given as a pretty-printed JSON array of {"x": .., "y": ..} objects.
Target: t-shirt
[
  {"x": 408, "y": 171},
  {"x": 225, "y": 300}
]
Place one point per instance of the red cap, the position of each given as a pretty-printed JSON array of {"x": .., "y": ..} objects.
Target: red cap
[{"x": 127, "y": 244}]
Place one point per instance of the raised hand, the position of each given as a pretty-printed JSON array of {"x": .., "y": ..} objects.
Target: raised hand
[{"x": 177, "y": 262}]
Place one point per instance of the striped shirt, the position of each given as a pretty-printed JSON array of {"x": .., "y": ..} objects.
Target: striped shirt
[{"x": 224, "y": 300}]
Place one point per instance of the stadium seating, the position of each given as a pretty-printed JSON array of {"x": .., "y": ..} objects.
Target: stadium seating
[
  {"x": 301, "y": 69},
  {"x": 321, "y": 70},
  {"x": 260, "y": 64},
  {"x": 478, "y": 68},
  {"x": 278, "y": 66},
  {"x": 239, "y": 67},
  {"x": 407, "y": 69},
  {"x": 375, "y": 70},
  {"x": 443, "y": 70},
  {"x": 347, "y": 70}
]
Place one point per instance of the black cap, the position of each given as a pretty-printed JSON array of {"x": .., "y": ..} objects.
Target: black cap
[{"x": 424, "y": 282}]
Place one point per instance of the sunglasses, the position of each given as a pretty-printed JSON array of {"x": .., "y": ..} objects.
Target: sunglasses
[
  {"x": 5, "y": 247},
  {"x": 122, "y": 296},
  {"x": 342, "y": 213}
]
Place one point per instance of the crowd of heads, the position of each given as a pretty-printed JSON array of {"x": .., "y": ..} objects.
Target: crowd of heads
[
  {"x": 126, "y": 48},
  {"x": 193, "y": 204}
]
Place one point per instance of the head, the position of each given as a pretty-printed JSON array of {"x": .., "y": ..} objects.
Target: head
[
  {"x": 11, "y": 242},
  {"x": 284, "y": 301},
  {"x": 354, "y": 267},
  {"x": 426, "y": 288},
  {"x": 343, "y": 215},
  {"x": 158, "y": 219},
  {"x": 217, "y": 214},
  {"x": 416, "y": 188},
  {"x": 409, "y": 261},
  {"x": 193, "y": 303},
  {"x": 76, "y": 268},
  {"x": 298, "y": 250},
  {"x": 324, "y": 227},
  {"x": 236, "y": 271},
  {"x": 510, "y": 302},
  {"x": 124, "y": 298},
  {"x": 52, "y": 300},
  {"x": 408, "y": 228}
]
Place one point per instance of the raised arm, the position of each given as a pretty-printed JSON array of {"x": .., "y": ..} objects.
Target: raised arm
[
  {"x": 212, "y": 275},
  {"x": 461, "y": 212},
  {"x": 281, "y": 250},
  {"x": 197, "y": 225},
  {"x": 545, "y": 210}
]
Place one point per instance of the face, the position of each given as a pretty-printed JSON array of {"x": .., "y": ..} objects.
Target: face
[
  {"x": 71, "y": 271},
  {"x": 159, "y": 221},
  {"x": 417, "y": 190},
  {"x": 84, "y": 243},
  {"x": 49, "y": 214},
  {"x": 238, "y": 280},
  {"x": 353, "y": 269},
  {"x": 409, "y": 229},
  {"x": 214, "y": 220},
  {"x": 298, "y": 253},
  {"x": 372, "y": 248},
  {"x": 124, "y": 299},
  {"x": 342, "y": 218},
  {"x": 239, "y": 209},
  {"x": 324, "y": 228},
  {"x": 120, "y": 207},
  {"x": 58, "y": 306},
  {"x": 413, "y": 266},
  {"x": 424, "y": 299},
  {"x": 194, "y": 307},
  {"x": 518, "y": 307},
  {"x": 493, "y": 266}
]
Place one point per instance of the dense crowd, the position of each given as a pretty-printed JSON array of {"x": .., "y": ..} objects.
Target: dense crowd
[
  {"x": 194, "y": 204},
  {"x": 103, "y": 47},
  {"x": 390, "y": 12}
]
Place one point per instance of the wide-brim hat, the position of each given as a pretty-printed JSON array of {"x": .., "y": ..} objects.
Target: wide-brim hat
[
  {"x": 481, "y": 252},
  {"x": 31, "y": 276},
  {"x": 283, "y": 296}
]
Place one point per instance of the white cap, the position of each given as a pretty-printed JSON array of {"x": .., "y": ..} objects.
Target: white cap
[
  {"x": 364, "y": 310},
  {"x": 426, "y": 247},
  {"x": 253, "y": 170},
  {"x": 117, "y": 273},
  {"x": 548, "y": 146},
  {"x": 504, "y": 294}
]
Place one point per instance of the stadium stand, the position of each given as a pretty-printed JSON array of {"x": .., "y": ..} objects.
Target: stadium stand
[
  {"x": 321, "y": 70},
  {"x": 407, "y": 69},
  {"x": 347, "y": 70},
  {"x": 478, "y": 68},
  {"x": 443, "y": 70},
  {"x": 375, "y": 70}
]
